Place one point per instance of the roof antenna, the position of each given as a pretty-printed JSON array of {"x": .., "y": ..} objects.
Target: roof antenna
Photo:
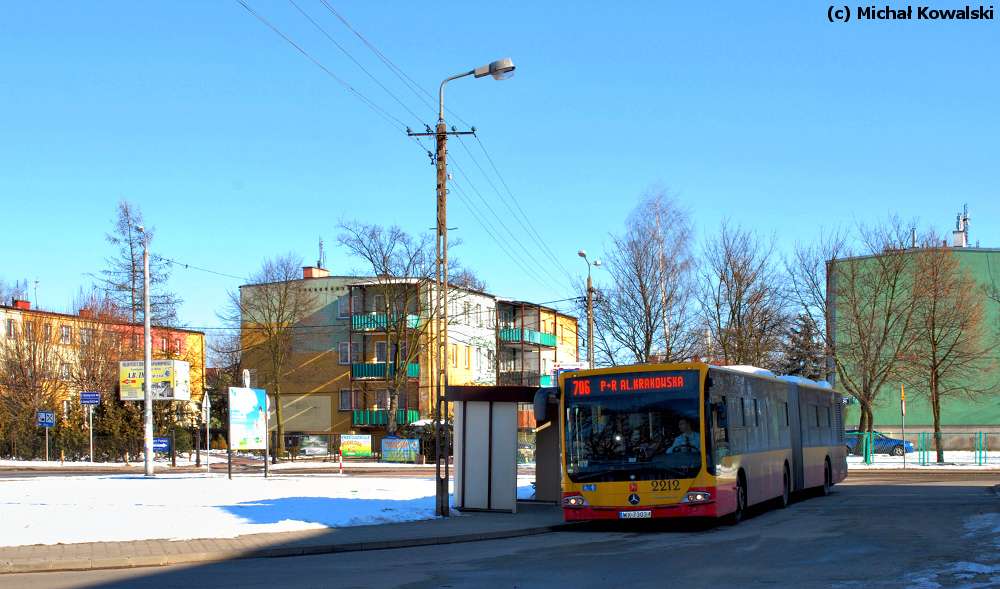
[{"x": 322, "y": 255}]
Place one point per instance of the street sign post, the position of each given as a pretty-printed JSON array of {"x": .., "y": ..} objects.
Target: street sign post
[
  {"x": 161, "y": 444},
  {"x": 46, "y": 419},
  {"x": 88, "y": 399},
  {"x": 206, "y": 416}
]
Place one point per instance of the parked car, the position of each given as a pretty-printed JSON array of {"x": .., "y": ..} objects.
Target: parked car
[{"x": 881, "y": 444}]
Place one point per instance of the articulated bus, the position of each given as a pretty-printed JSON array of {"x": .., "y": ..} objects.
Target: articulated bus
[{"x": 681, "y": 440}]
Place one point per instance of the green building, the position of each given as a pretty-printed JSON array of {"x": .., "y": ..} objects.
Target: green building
[{"x": 958, "y": 413}]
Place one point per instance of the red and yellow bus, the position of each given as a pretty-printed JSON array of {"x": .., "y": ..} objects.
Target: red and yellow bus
[{"x": 681, "y": 440}]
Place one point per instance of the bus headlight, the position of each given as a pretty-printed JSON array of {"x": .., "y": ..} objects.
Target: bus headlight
[
  {"x": 696, "y": 496},
  {"x": 575, "y": 501}
]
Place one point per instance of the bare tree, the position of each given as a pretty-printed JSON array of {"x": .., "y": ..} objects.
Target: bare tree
[
  {"x": 30, "y": 376},
  {"x": 644, "y": 314},
  {"x": 871, "y": 313},
  {"x": 807, "y": 285},
  {"x": 954, "y": 351},
  {"x": 401, "y": 268},
  {"x": 272, "y": 311},
  {"x": 122, "y": 280},
  {"x": 742, "y": 297}
]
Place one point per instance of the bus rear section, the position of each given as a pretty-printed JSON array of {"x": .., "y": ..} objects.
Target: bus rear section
[{"x": 692, "y": 440}]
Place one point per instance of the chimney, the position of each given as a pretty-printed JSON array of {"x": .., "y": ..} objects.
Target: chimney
[
  {"x": 959, "y": 239},
  {"x": 21, "y": 304},
  {"x": 314, "y": 272},
  {"x": 86, "y": 313}
]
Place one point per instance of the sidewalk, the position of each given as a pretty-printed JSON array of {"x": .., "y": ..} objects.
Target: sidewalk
[{"x": 530, "y": 519}]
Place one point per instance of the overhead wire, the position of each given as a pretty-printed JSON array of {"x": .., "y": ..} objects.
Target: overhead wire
[
  {"x": 538, "y": 242},
  {"x": 371, "y": 104}
]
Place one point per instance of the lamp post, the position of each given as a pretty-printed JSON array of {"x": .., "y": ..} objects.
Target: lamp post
[
  {"x": 147, "y": 346},
  {"x": 590, "y": 308},
  {"x": 500, "y": 70}
]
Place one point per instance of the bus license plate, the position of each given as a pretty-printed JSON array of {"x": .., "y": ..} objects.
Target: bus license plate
[{"x": 635, "y": 514}]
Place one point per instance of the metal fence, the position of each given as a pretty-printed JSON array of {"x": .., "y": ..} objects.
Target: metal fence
[{"x": 887, "y": 448}]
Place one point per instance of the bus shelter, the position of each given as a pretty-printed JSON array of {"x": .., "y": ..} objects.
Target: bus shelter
[{"x": 485, "y": 448}]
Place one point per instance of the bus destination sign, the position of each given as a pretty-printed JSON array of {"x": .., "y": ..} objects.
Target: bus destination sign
[{"x": 632, "y": 382}]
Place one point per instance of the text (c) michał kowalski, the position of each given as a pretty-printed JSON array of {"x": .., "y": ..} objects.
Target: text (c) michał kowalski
[{"x": 925, "y": 13}]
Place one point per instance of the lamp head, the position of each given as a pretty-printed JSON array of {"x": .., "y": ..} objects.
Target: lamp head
[
  {"x": 500, "y": 70},
  {"x": 582, "y": 253},
  {"x": 140, "y": 228},
  {"x": 597, "y": 262}
]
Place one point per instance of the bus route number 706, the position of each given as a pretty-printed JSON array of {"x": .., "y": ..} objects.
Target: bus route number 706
[{"x": 581, "y": 387}]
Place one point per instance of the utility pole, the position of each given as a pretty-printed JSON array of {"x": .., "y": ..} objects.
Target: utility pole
[
  {"x": 590, "y": 308},
  {"x": 147, "y": 361},
  {"x": 500, "y": 70}
]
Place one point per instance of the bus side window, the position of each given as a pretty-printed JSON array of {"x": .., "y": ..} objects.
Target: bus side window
[{"x": 721, "y": 429}]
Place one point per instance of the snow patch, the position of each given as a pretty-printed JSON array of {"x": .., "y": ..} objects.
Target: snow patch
[{"x": 750, "y": 370}]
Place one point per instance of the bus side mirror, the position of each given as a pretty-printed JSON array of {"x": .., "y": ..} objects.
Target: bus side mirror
[
  {"x": 721, "y": 415},
  {"x": 543, "y": 397}
]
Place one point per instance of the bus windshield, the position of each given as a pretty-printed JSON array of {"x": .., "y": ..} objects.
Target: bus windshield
[{"x": 625, "y": 437}]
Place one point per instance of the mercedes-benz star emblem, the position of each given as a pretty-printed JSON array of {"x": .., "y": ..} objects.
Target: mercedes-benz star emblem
[{"x": 633, "y": 499}]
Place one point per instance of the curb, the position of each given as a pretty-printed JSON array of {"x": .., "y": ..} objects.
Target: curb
[
  {"x": 125, "y": 562},
  {"x": 921, "y": 472}
]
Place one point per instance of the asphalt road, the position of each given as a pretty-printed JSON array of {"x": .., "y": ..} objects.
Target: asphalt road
[{"x": 870, "y": 532}]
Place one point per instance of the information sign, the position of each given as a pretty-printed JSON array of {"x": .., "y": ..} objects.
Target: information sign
[
  {"x": 90, "y": 398},
  {"x": 46, "y": 418},
  {"x": 161, "y": 444}
]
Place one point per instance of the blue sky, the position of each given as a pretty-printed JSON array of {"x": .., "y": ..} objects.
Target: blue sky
[{"x": 237, "y": 147}]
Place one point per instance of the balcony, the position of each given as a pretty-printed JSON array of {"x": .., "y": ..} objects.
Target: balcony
[
  {"x": 377, "y": 370},
  {"x": 377, "y": 321},
  {"x": 528, "y": 379},
  {"x": 528, "y": 336},
  {"x": 378, "y": 417}
]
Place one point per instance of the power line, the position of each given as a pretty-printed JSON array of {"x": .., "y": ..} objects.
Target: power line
[
  {"x": 354, "y": 60},
  {"x": 190, "y": 267},
  {"x": 503, "y": 247}
]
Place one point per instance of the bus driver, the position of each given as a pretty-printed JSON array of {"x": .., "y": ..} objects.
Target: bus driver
[{"x": 688, "y": 441}]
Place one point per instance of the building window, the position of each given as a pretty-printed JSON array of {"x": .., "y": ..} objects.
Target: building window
[
  {"x": 479, "y": 315},
  {"x": 65, "y": 335},
  {"x": 345, "y": 399},
  {"x": 163, "y": 344},
  {"x": 402, "y": 403},
  {"x": 10, "y": 328},
  {"x": 47, "y": 332},
  {"x": 380, "y": 351},
  {"x": 381, "y": 399},
  {"x": 468, "y": 357},
  {"x": 379, "y": 303},
  {"x": 87, "y": 337},
  {"x": 344, "y": 306},
  {"x": 177, "y": 346},
  {"x": 64, "y": 373},
  {"x": 359, "y": 399},
  {"x": 479, "y": 358},
  {"x": 454, "y": 355},
  {"x": 29, "y": 330},
  {"x": 348, "y": 352}
]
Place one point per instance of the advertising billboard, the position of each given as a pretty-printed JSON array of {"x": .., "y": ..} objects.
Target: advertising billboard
[
  {"x": 247, "y": 418},
  {"x": 400, "y": 450},
  {"x": 355, "y": 445},
  {"x": 171, "y": 380}
]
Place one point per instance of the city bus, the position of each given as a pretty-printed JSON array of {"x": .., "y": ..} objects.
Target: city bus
[{"x": 693, "y": 440}]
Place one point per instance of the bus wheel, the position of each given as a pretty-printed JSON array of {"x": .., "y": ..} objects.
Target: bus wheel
[
  {"x": 741, "y": 500},
  {"x": 825, "y": 489},
  {"x": 786, "y": 491}
]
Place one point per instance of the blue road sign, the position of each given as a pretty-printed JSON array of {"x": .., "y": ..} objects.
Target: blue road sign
[
  {"x": 46, "y": 418},
  {"x": 90, "y": 398},
  {"x": 161, "y": 444}
]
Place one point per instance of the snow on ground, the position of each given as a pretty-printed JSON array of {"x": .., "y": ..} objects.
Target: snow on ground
[{"x": 47, "y": 510}]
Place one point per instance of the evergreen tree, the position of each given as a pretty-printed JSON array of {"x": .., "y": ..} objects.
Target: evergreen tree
[{"x": 802, "y": 351}]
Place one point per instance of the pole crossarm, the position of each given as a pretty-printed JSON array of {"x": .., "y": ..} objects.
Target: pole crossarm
[{"x": 445, "y": 133}]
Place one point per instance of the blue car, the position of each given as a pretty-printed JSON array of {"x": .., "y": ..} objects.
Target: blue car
[{"x": 881, "y": 444}]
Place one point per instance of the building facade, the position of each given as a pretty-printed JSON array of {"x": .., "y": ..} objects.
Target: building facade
[{"x": 360, "y": 338}]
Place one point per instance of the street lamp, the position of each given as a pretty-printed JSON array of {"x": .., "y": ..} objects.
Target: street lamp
[
  {"x": 147, "y": 373},
  {"x": 590, "y": 308},
  {"x": 500, "y": 70}
]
